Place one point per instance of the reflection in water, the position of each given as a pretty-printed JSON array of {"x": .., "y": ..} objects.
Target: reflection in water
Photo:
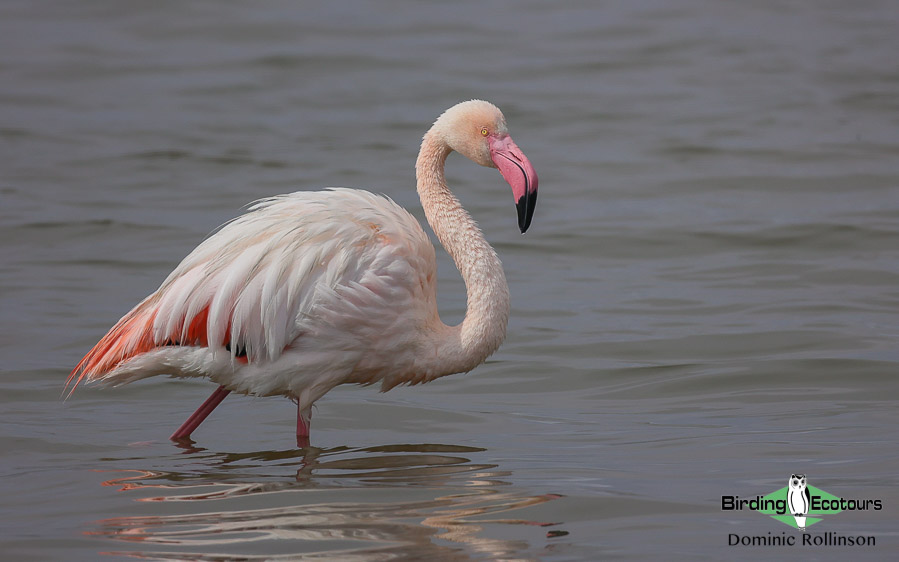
[{"x": 409, "y": 501}]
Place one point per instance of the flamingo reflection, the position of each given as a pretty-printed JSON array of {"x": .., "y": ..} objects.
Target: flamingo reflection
[{"x": 411, "y": 501}]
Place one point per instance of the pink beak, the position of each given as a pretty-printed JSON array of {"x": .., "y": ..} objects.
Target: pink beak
[{"x": 519, "y": 174}]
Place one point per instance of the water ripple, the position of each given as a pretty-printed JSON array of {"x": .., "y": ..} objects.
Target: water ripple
[{"x": 340, "y": 503}]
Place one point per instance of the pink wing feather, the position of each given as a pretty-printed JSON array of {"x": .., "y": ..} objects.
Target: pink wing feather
[{"x": 257, "y": 279}]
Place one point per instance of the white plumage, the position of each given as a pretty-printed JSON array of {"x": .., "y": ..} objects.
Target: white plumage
[{"x": 310, "y": 290}]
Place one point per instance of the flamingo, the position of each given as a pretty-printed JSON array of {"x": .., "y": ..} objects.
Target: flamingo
[{"x": 310, "y": 290}]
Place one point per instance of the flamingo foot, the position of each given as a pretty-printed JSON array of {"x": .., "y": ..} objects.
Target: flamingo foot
[
  {"x": 194, "y": 421},
  {"x": 304, "y": 421}
]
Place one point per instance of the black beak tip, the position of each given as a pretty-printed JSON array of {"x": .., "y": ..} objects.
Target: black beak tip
[{"x": 525, "y": 207}]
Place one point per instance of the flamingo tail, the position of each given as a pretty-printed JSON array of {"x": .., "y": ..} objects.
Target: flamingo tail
[{"x": 134, "y": 335}]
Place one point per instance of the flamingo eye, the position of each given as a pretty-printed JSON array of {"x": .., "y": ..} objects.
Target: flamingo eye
[{"x": 484, "y": 131}]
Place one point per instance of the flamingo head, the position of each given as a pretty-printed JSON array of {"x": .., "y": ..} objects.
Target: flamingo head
[{"x": 477, "y": 130}]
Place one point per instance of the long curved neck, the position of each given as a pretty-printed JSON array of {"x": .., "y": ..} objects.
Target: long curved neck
[{"x": 463, "y": 347}]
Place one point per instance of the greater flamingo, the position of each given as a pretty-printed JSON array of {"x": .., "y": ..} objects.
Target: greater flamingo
[{"x": 314, "y": 289}]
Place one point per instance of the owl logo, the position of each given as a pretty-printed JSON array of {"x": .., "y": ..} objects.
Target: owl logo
[{"x": 798, "y": 498}]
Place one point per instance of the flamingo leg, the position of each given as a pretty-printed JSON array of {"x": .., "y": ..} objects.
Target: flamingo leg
[
  {"x": 194, "y": 421},
  {"x": 304, "y": 421}
]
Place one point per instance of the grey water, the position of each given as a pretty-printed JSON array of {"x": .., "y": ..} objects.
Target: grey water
[{"x": 706, "y": 301}]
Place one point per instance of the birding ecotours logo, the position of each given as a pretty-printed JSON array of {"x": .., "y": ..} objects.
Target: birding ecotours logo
[{"x": 798, "y": 504}]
